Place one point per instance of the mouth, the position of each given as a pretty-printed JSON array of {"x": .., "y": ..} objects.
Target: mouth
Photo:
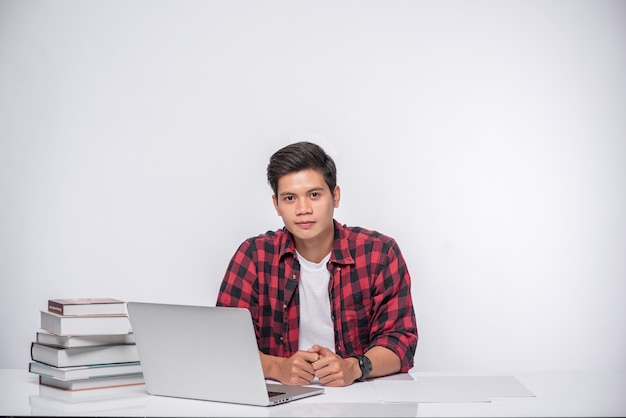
[{"x": 305, "y": 224}]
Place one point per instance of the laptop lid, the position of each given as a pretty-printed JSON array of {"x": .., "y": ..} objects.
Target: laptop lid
[{"x": 207, "y": 353}]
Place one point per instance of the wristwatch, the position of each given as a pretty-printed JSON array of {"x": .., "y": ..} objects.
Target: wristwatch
[{"x": 366, "y": 367}]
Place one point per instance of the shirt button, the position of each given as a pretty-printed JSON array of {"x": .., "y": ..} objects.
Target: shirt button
[
  {"x": 285, "y": 306},
  {"x": 338, "y": 269},
  {"x": 293, "y": 277}
]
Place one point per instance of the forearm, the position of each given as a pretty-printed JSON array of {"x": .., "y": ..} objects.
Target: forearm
[
  {"x": 394, "y": 326},
  {"x": 270, "y": 365},
  {"x": 384, "y": 362}
]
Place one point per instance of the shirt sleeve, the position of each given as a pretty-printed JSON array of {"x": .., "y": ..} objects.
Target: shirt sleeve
[
  {"x": 239, "y": 286},
  {"x": 394, "y": 325}
]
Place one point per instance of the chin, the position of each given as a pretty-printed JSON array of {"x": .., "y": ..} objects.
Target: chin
[{"x": 304, "y": 234}]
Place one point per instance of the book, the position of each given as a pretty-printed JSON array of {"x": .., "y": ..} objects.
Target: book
[
  {"x": 45, "y": 337},
  {"x": 84, "y": 325},
  {"x": 83, "y": 356},
  {"x": 87, "y": 306},
  {"x": 84, "y": 372},
  {"x": 103, "y": 382}
]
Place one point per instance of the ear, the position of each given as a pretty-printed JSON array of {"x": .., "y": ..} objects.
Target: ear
[
  {"x": 275, "y": 201},
  {"x": 336, "y": 196}
]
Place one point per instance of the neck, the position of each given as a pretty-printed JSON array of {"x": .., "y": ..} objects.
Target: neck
[{"x": 315, "y": 251}]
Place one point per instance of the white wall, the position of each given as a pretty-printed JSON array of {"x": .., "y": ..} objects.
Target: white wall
[{"x": 487, "y": 137}]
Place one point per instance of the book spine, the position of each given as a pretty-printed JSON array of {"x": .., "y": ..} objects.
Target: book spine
[{"x": 55, "y": 307}]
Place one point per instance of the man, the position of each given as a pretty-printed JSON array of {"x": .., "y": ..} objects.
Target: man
[{"x": 329, "y": 302}]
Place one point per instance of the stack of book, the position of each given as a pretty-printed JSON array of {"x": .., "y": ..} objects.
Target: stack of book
[{"x": 85, "y": 344}]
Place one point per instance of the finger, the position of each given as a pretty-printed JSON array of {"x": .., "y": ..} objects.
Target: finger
[
  {"x": 335, "y": 383},
  {"x": 318, "y": 365},
  {"x": 321, "y": 363},
  {"x": 327, "y": 377},
  {"x": 310, "y": 357},
  {"x": 325, "y": 351},
  {"x": 304, "y": 365},
  {"x": 305, "y": 378},
  {"x": 298, "y": 380},
  {"x": 331, "y": 377}
]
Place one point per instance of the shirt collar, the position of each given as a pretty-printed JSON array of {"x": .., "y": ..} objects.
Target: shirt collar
[{"x": 340, "y": 253}]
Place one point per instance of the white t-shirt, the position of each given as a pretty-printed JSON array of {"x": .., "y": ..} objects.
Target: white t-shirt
[{"x": 316, "y": 325}]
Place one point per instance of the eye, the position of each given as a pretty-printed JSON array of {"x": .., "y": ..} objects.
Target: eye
[
  {"x": 289, "y": 198},
  {"x": 315, "y": 194}
]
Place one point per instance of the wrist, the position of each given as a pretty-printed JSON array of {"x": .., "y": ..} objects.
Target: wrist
[
  {"x": 364, "y": 367},
  {"x": 356, "y": 370},
  {"x": 270, "y": 366}
]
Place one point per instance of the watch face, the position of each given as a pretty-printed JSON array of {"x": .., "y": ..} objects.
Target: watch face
[
  {"x": 366, "y": 363},
  {"x": 366, "y": 367}
]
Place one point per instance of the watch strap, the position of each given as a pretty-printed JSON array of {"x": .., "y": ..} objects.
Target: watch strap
[{"x": 365, "y": 365}]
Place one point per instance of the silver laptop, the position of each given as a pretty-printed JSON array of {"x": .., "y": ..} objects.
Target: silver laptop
[{"x": 207, "y": 353}]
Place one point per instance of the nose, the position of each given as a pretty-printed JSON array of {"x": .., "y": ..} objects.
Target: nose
[{"x": 303, "y": 207}]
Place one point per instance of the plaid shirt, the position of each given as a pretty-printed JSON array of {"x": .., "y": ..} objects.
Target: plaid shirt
[{"x": 369, "y": 290}]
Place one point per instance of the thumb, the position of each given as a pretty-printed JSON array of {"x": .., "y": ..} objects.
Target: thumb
[
  {"x": 324, "y": 351},
  {"x": 315, "y": 349}
]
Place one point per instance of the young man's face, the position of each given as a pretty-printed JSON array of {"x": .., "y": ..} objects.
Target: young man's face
[{"x": 306, "y": 205}]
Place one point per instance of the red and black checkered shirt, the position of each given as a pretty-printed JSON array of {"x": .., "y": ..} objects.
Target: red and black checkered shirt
[{"x": 369, "y": 290}]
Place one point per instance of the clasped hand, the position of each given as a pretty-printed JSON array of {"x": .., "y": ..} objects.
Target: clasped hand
[{"x": 318, "y": 362}]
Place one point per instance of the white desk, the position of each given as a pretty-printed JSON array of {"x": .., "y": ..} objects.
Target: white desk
[{"x": 556, "y": 394}]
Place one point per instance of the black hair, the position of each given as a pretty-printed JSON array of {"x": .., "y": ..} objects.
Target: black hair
[{"x": 301, "y": 156}]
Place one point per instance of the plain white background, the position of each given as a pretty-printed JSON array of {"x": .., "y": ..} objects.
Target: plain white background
[{"x": 487, "y": 137}]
